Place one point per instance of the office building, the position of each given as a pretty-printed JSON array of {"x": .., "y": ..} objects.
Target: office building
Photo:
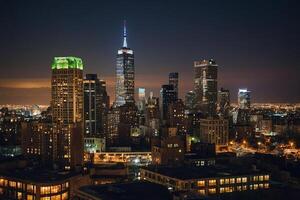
[
  {"x": 244, "y": 99},
  {"x": 206, "y": 86},
  {"x": 67, "y": 111},
  {"x": 223, "y": 103},
  {"x": 95, "y": 106},
  {"x": 190, "y": 101},
  {"x": 206, "y": 180},
  {"x": 177, "y": 117},
  {"x": 174, "y": 80},
  {"x": 167, "y": 96},
  {"x": 141, "y": 100},
  {"x": 125, "y": 74},
  {"x": 214, "y": 131}
]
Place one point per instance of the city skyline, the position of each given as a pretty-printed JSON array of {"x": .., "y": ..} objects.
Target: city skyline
[{"x": 253, "y": 54}]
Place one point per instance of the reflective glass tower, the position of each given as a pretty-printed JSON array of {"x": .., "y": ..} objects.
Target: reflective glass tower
[
  {"x": 124, "y": 73},
  {"x": 206, "y": 86}
]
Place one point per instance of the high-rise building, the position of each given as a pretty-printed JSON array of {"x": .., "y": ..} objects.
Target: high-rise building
[
  {"x": 177, "y": 117},
  {"x": 95, "y": 106},
  {"x": 214, "y": 131},
  {"x": 173, "y": 80},
  {"x": 190, "y": 101},
  {"x": 67, "y": 111},
  {"x": 141, "y": 100},
  {"x": 206, "y": 86},
  {"x": 223, "y": 102},
  {"x": 244, "y": 99},
  {"x": 37, "y": 140},
  {"x": 124, "y": 74},
  {"x": 167, "y": 96}
]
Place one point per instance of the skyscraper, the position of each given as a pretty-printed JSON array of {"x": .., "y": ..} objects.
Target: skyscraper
[
  {"x": 67, "y": 111},
  {"x": 244, "y": 99},
  {"x": 95, "y": 106},
  {"x": 167, "y": 96},
  {"x": 223, "y": 102},
  {"x": 124, "y": 74},
  {"x": 173, "y": 80},
  {"x": 141, "y": 100},
  {"x": 206, "y": 86}
]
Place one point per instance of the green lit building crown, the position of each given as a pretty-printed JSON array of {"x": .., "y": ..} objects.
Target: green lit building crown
[{"x": 69, "y": 62}]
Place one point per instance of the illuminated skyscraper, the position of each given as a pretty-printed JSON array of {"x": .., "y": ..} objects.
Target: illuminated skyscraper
[
  {"x": 95, "y": 106},
  {"x": 206, "y": 86},
  {"x": 173, "y": 80},
  {"x": 244, "y": 99},
  {"x": 223, "y": 102},
  {"x": 67, "y": 111},
  {"x": 167, "y": 96},
  {"x": 141, "y": 99},
  {"x": 124, "y": 74}
]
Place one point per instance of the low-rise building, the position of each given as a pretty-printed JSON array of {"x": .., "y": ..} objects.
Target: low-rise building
[{"x": 206, "y": 180}]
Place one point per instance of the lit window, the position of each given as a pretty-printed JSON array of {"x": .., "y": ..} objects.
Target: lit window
[
  {"x": 201, "y": 183},
  {"x": 65, "y": 196},
  {"x": 29, "y": 197},
  {"x": 261, "y": 178},
  {"x": 45, "y": 190},
  {"x": 212, "y": 182},
  {"x": 222, "y": 181},
  {"x": 238, "y": 180},
  {"x": 212, "y": 191},
  {"x": 267, "y": 177},
  {"x": 266, "y": 185},
  {"x": 201, "y": 192},
  {"x": 244, "y": 179},
  {"x": 232, "y": 181},
  {"x": 19, "y": 195}
]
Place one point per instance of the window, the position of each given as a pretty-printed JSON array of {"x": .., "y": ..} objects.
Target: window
[
  {"x": 244, "y": 179},
  {"x": 261, "y": 178},
  {"x": 255, "y": 178},
  {"x": 212, "y": 182},
  {"x": 30, "y": 188},
  {"x": 19, "y": 195},
  {"x": 267, "y": 177},
  {"x": 255, "y": 186},
  {"x": 55, "y": 188},
  {"x": 222, "y": 181},
  {"x": 12, "y": 184},
  {"x": 29, "y": 197},
  {"x": 201, "y": 183},
  {"x": 45, "y": 190},
  {"x": 232, "y": 181},
  {"x": 266, "y": 185},
  {"x": 212, "y": 191},
  {"x": 222, "y": 190},
  {"x": 238, "y": 180},
  {"x": 65, "y": 196},
  {"x": 201, "y": 192}
]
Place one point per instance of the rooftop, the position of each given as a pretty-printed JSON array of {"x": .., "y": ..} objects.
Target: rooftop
[
  {"x": 38, "y": 175},
  {"x": 128, "y": 191},
  {"x": 186, "y": 173}
]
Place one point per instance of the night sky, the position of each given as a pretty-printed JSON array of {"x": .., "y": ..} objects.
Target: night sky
[{"x": 255, "y": 43}]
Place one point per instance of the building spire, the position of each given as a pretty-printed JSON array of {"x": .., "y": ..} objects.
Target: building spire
[{"x": 124, "y": 35}]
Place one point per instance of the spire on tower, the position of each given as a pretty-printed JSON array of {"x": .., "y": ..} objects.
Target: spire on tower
[{"x": 124, "y": 35}]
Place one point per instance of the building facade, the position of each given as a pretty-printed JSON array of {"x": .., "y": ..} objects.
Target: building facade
[
  {"x": 67, "y": 111},
  {"x": 214, "y": 131},
  {"x": 206, "y": 86},
  {"x": 96, "y": 103},
  {"x": 174, "y": 80},
  {"x": 125, "y": 73}
]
